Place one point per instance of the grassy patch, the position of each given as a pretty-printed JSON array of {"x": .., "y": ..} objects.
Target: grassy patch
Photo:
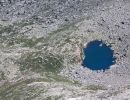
[
  {"x": 15, "y": 91},
  {"x": 54, "y": 98},
  {"x": 24, "y": 41},
  {"x": 40, "y": 62},
  {"x": 20, "y": 90},
  {"x": 24, "y": 23},
  {"x": 2, "y": 76},
  {"x": 94, "y": 87},
  {"x": 6, "y": 29},
  {"x": 128, "y": 87},
  {"x": 14, "y": 27},
  {"x": 64, "y": 30}
]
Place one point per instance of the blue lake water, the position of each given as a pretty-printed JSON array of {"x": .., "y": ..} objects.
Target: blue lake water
[{"x": 98, "y": 56}]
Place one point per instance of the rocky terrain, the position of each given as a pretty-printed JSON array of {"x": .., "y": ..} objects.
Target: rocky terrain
[{"x": 41, "y": 49}]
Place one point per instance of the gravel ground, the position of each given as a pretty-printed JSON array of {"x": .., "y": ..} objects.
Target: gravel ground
[{"x": 35, "y": 32}]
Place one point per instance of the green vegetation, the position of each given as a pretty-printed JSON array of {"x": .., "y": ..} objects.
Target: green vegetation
[
  {"x": 40, "y": 59},
  {"x": 21, "y": 40},
  {"x": 94, "y": 87},
  {"x": 20, "y": 90},
  {"x": 54, "y": 98},
  {"x": 40, "y": 62},
  {"x": 15, "y": 27},
  {"x": 12, "y": 36},
  {"x": 2, "y": 76},
  {"x": 128, "y": 87},
  {"x": 24, "y": 23},
  {"x": 6, "y": 29},
  {"x": 24, "y": 41}
]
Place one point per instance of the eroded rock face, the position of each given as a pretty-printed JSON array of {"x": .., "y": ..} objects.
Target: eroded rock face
[{"x": 41, "y": 49}]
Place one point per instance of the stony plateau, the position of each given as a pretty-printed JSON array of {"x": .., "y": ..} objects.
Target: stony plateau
[{"x": 41, "y": 49}]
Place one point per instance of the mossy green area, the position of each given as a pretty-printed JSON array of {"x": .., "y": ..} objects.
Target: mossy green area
[
  {"x": 12, "y": 40},
  {"x": 2, "y": 76},
  {"x": 20, "y": 90},
  {"x": 40, "y": 62},
  {"x": 6, "y": 29},
  {"x": 128, "y": 87},
  {"x": 14, "y": 28},
  {"x": 10, "y": 36},
  {"x": 94, "y": 87},
  {"x": 44, "y": 59},
  {"x": 54, "y": 98},
  {"x": 44, "y": 56}
]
